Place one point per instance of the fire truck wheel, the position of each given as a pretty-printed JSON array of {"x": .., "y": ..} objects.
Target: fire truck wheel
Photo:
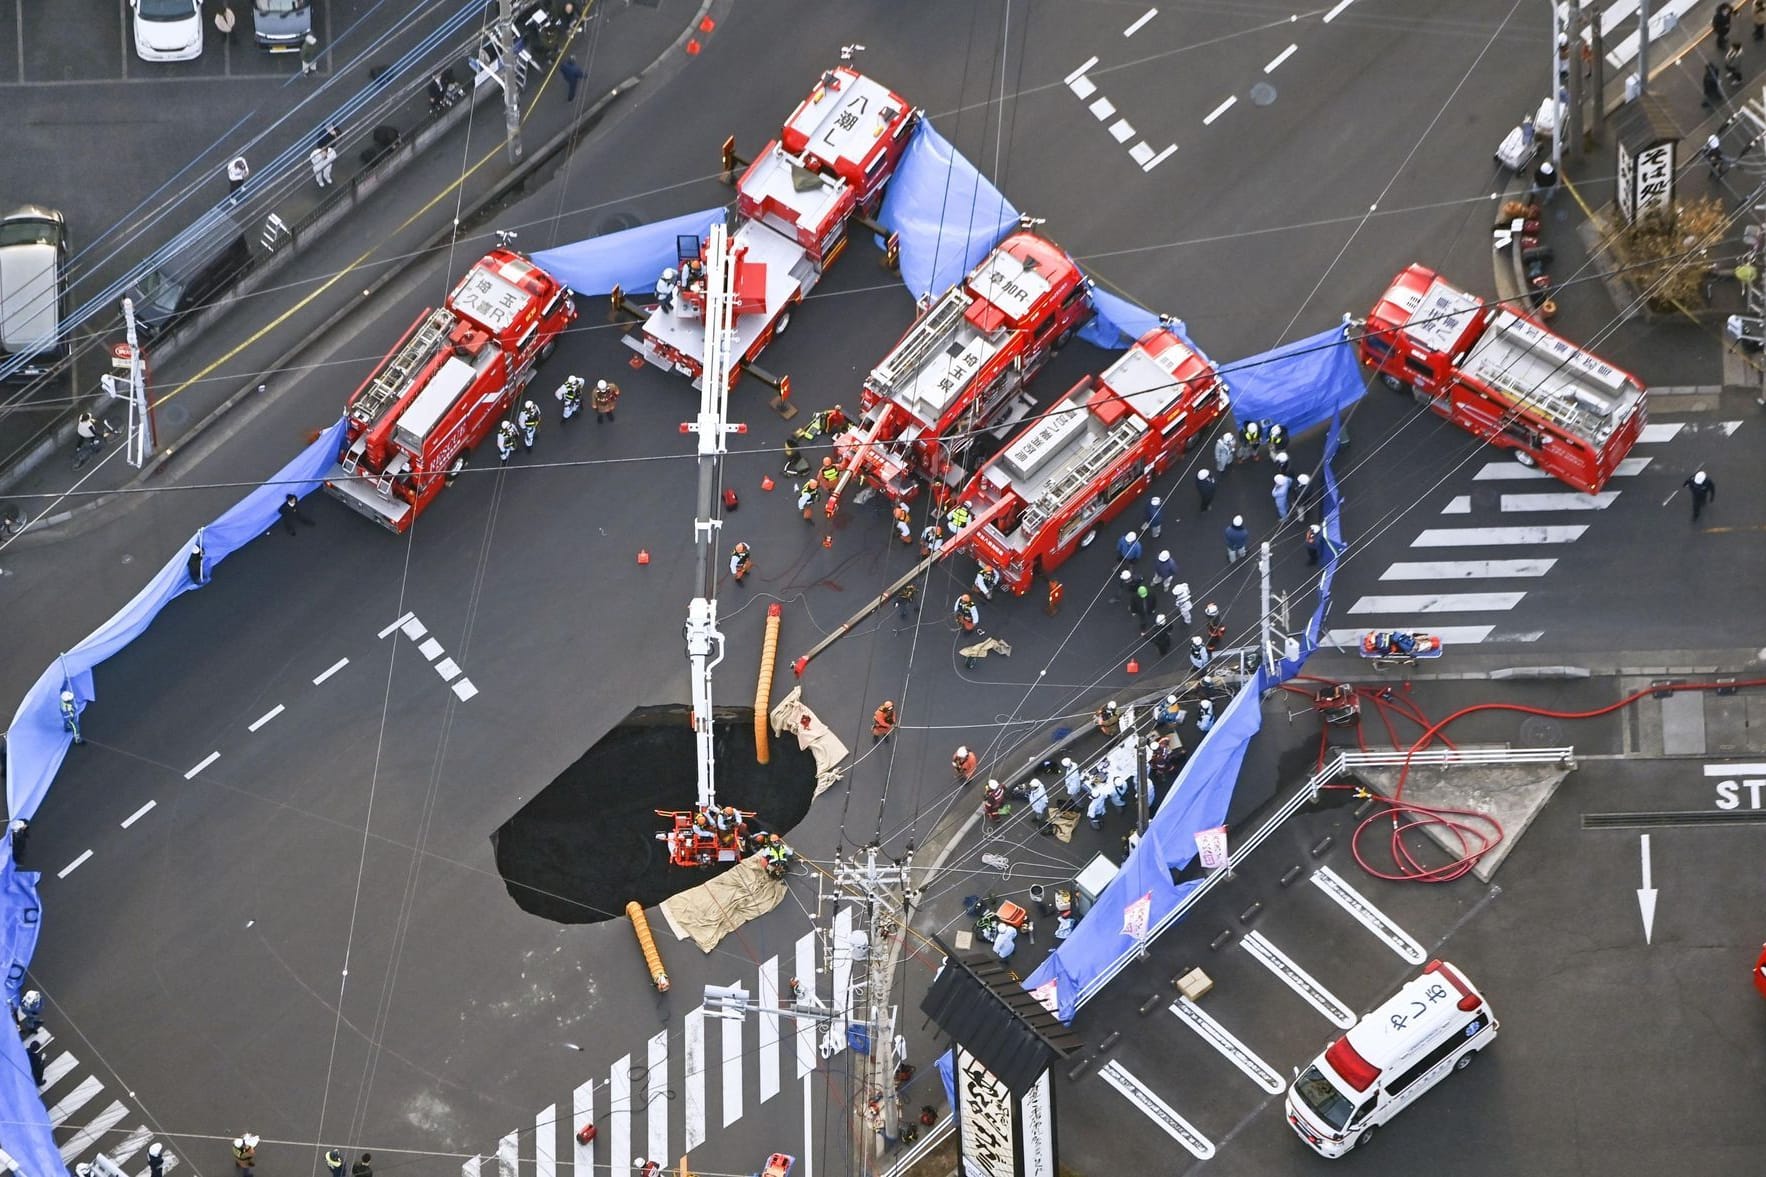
[
  {"x": 1062, "y": 339},
  {"x": 546, "y": 350},
  {"x": 1395, "y": 384},
  {"x": 454, "y": 470},
  {"x": 1089, "y": 536},
  {"x": 1526, "y": 459},
  {"x": 784, "y": 323}
]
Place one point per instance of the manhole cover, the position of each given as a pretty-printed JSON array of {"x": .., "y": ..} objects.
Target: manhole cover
[
  {"x": 619, "y": 221},
  {"x": 1539, "y": 732},
  {"x": 176, "y": 416},
  {"x": 1262, "y": 94}
]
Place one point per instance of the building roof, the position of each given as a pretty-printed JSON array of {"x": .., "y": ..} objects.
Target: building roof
[{"x": 975, "y": 999}]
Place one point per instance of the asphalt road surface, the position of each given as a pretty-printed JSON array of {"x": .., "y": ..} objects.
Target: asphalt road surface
[{"x": 310, "y": 910}]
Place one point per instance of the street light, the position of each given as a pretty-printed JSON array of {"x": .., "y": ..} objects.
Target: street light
[{"x": 729, "y": 1002}]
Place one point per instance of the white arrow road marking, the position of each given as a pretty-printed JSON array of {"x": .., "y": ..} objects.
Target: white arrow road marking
[{"x": 1646, "y": 894}]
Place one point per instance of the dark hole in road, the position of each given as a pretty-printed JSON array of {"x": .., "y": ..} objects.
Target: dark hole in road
[{"x": 586, "y": 845}]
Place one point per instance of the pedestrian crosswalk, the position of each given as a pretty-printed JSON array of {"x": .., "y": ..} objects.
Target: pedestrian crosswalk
[
  {"x": 701, "y": 1073},
  {"x": 87, "y": 1121},
  {"x": 1489, "y": 551}
]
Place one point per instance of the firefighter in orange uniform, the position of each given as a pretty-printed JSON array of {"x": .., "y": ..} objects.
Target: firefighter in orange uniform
[
  {"x": 604, "y": 399},
  {"x": 883, "y": 720},
  {"x": 963, "y": 763},
  {"x": 968, "y": 616},
  {"x": 903, "y": 524},
  {"x": 740, "y": 560},
  {"x": 1056, "y": 592}
]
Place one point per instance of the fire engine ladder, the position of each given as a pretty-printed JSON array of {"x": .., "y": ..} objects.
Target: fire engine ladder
[
  {"x": 937, "y": 327},
  {"x": 1561, "y": 410},
  {"x": 1060, "y": 492},
  {"x": 395, "y": 377}
]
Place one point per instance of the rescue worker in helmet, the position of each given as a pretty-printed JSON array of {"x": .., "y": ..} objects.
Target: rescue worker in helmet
[
  {"x": 570, "y": 395},
  {"x": 506, "y": 437},
  {"x": 665, "y": 289},
  {"x": 70, "y": 716},
  {"x": 993, "y": 802},
  {"x": 968, "y": 616},
  {"x": 30, "y": 1012},
  {"x": 1216, "y": 627},
  {"x": 986, "y": 580},
  {"x": 931, "y": 540},
  {"x": 830, "y": 470},
  {"x": 778, "y": 856},
  {"x": 528, "y": 420},
  {"x": 739, "y": 562},
  {"x": 963, "y": 762},
  {"x": 604, "y": 400},
  {"x": 958, "y": 518},
  {"x": 883, "y": 720},
  {"x": 1108, "y": 719},
  {"x": 1198, "y": 653}
]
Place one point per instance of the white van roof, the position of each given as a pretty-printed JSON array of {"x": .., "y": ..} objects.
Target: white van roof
[
  {"x": 1414, "y": 1020},
  {"x": 30, "y": 297}
]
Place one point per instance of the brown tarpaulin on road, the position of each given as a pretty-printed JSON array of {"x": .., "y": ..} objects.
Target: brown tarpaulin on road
[
  {"x": 712, "y": 910},
  {"x": 790, "y": 713}
]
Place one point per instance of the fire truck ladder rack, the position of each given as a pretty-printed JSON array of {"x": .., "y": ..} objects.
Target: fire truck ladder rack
[
  {"x": 1562, "y": 410},
  {"x": 395, "y": 378},
  {"x": 1111, "y": 447},
  {"x": 931, "y": 333}
]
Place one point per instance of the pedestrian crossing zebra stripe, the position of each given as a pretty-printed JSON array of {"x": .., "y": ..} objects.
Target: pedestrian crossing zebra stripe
[
  {"x": 1450, "y": 635},
  {"x": 1467, "y": 569},
  {"x": 76, "y": 1099},
  {"x": 1658, "y": 432},
  {"x": 1498, "y": 537},
  {"x": 1439, "y": 603},
  {"x": 1514, "y": 471},
  {"x": 545, "y": 1142},
  {"x": 693, "y": 1060},
  {"x": 1458, "y": 505},
  {"x": 768, "y": 993},
  {"x": 619, "y": 1116},
  {"x": 582, "y": 1111},
  {"x": 1568, "y": 501},
  {"x": 656, "y": 1096},
  {"x": 509, "y": 1155},
  {"x": 732, "y": 1085},
  {"x": 94, "y": 1131}
]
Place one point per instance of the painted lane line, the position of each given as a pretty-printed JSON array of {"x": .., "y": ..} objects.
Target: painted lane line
[
  {"x": 1735, "y": 770},
  {"x": 1494, "y": 537},
  {"x": 656, "y": 1095},
  {"x": 1560, "y": 502},
  {"x": 76, "y": 1099},
  {"x": 767, "y": 991},
  {"x": 1156, "y": 1109},
  {"x": 1458, "y": 505},
  {"x": 509, "y": 1155},
  {"x": 1102, "y": 109},
  {"x": 1280, "y": 57},
  {"x": 331, "y": 670},
  {"x": 414, "y": 629},
  {"x": 842, "y": 979},
  {"x": 582, "y": 1111},
  {"x": 73, "y": 866},
  {"x": 1298, "y": 979},
  {"x": 545, "y": 1142},
  {"x": 94, "y": 1131},
  {"x": 1159, "y": 159},
  {"x": 1466, "y": 569},
  {"x": 202, "y": 764},
  {"x": 1510, "y": 471},
  {"x": 1220, "y": 110},
  {"x": 1369, "y": 916},
  {"x": 1729, "y": 427},
  {"x": 399, "y": 624},
  {"x": 1136, "y": 27},
  {"x": 58, "y": 1068},
  {"x": 1082, "y": 88},
  {"x": 1334, "y": 13},
  {"x": 133, "y": 1143},
  {"x": 430, "y": 649},
  {"x": 266, "y": 717},
  {"x": 465, "y": 689},
  {"x": 1121, "y": 130},
  {"x": 731, "y": 1037},
  {"x": 1222, "y": 1039},
  {"x": 693, "y": 1062},
  {"x": 1450, "y": 635},
  {"x": 473, "y": 1167},
  {"x": 619, "y": 1116},
  {"x": 809, "y": 1151},
  {"x": 806, "y": 1027},
  {"x": 135, "y": 817},
  {"x": 1438, "y": 603},
  {"x": 1080, "y": 72},
  {"x": 448, "y": 669},
  {"x": 1662, "y": 431}
]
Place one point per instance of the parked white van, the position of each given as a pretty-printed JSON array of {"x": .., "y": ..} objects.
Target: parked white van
[
  {"x": 1436, "y": 1024},
  {"x": 33, "y": 288}
]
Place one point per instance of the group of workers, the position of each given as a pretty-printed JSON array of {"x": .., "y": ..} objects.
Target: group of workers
[{"x": 524, "y": 428}]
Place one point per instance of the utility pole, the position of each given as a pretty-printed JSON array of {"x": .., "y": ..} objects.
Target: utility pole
[
  {"x": 1566, "y": 79},
  {"x": 509, "y": 73},
  {"x": 1642, "y": 48},
  {"x": 141, "y": 440},
  {"x": 1268, "y": 620}
]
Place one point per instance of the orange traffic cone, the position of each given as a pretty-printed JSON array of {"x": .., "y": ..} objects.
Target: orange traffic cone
[
  {"x": 766, "y": 482},
  {"x": 643, "y": 556},
  {"x": 1133, "y": 667}
]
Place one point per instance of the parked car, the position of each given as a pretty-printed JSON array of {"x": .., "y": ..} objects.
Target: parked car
[
  {"x": 33, "y": 287},
  {"x": 281, "y": 25},
  {"x": 168, "y": 30}
]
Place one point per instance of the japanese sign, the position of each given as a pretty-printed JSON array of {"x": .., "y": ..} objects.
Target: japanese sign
[
  {"x": 1134, "y": 916},
  {"x": 1654, "y": 180},
  {"x": 1211, "y": 845}
]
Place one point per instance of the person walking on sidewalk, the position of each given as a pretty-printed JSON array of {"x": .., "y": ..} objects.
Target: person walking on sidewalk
[
  {"x": 309, "y": 55},
  {"x": 1720, "y": 18},
  {"x": 573, "y": 76},
  {"x": 1704, "y": 490},
  {"x": 1714, "y": 156},
  {"x": 321, "y": 159}
]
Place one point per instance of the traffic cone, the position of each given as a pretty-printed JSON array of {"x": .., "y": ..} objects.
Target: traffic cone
[
  {"x": 828, "y": 540},
  {"x": 1133, "y": 667},
  {"x": 636, "y": 362},
  {"x": 643, "y": 556},
  {"x": 766, "y": 482}
]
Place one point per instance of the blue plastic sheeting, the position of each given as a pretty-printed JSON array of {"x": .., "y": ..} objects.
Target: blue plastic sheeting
[
  {"x": 1118, "y": 322},
  {"x": 1332, "y": 505},
  {"x": 947, "y": 214},
  {"x": 947, "y": 1070},
  {"x": 37, "y": 740},
  {"x": 631, "y": 259},
  {"x": 24, "y": 1126},
  {"x": 1299, "y": 384}
]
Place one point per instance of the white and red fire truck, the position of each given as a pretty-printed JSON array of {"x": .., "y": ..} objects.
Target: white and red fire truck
[
  {"x": 1499, "y": 374},
  {"x": 1090, "y": 455},
  {"x": 960, "y": 365},
  {"x": 446, "y": 385},
  {"x": 794, "y": 205}
]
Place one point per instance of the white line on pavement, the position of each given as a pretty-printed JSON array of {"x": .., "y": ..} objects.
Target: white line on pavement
[
  {"x": 1496, "y": 537},
  {"x": 94, "y": 1130},
  {"x": 202, "y": 764},
  {"x": 1511, "y": 471},
  {"x": 582, "y": 1109},
  {"x": 619, "y": 1116},
  {"x": 1458, "y": 505},
  {"x": 58, "y": 1068},
  {"x": 1450, "y": 635},
  {"x": 138, "y": 814},
  {"x": 1334, "y": 13},
  {"x": 767, "y": 992},
  {"x": 1102, "y": 109},
  {"x": 1735, "y": 770},
  {"x": 806, "y": 1027},
  {"x": 430, "y": 649},
  {"x": 399, "y": 624},
  {"x": 1660, "y": 432},
  {"x": 1369, "y": 916},
  {"x": 1080, "y": 72},
  {"x": 448, "y": 669},
  {"x": 1223, "y": 1040},
  {"x": 509, "y": 1155},
  {"x": 1297, "y": 979},
  {"x": 465, "y": 689},
  {"x": 1159, "y": 159},
  {"x": 1156, "y": 1109},
  {"x": 1136, "y": 27},
  {"x": 414, "y": 629},
  {"x": 1465, "y": 569},
  {"x": 331, "y": 670},
  {"x": 267, "y": 716},
  {"x": 545, "y": 1142},
  {"x": 656, "y": 1095},
  {"x": 1082, "y": 88},
  {"x": 809, "y": 1151},
  {"x": 76, "y": 1099},
  {"x": 1438, "y": 603},
  {"x": 133, "y": 1143},
  {"x": 1281, "y": 57},
  {"x": 1220, "y": 110},
  {"x": 731, "y": 1037},
  {"x": 73, "y": 866},
  {"x": 693, "y": 1063},
  {"x": 1570, "y": 501},
  {"x": 1122, "y": 130}
]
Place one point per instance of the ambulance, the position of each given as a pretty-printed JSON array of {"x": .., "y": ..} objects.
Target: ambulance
[{"x": 1434, "y": 1025}]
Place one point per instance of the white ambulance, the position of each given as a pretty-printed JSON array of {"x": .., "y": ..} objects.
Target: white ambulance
[{"x": 1435, "y": 1024}]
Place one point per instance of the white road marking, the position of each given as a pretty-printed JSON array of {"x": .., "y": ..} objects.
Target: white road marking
[
  {"x": 1281, "y": 57},
  {"x": 1220, "y": 110},
  {"x": 1297, "y": 979},
  {"x": 73, "y": 866},
  {"x": 1369, "y": 916},
  {"x": 1080, "y": 72},
  {"x": 1493, "y": 537},
  {"x": 582, "y": 1111},
  {"x": 94, "y": 1131},
  {"x": 1156, "y": 1109},
  {"x": 414, "y": 629},
  {"x": 1735, "y": 770},
  {"x": 76, "y": 1099},
  {"x": 767, "y": 995},
  {"x": 331, "y": 670},
  {"x": 1438, "y": 603},
  {"x": 1082, "y": 88},
  {"x": 448, "y": 669},
  {"x": 202, "y": 764},
  {"x": 1136, "y": 27},
  {"x": 430, "y": 649},
  {"x": 509, "y": 1155},
  {"x": 266, "y": 717},
  {"x": 1510, "y": 471},
  {"x": 1102, "y": 109},
  {"x": 655, "y": 1094},
  {"x": 1159, "y": 159},
  {"x": 806, "y": 1028},
  {"x": 58, "y": 1068},
  {"x": 1121, "y": 130},
  {"x": 807, "y": 1157},
  {"x": 1337, "y": 11},
  {"x": 693, "y": 1062},
  {"x": 1570, "y": 501},
  {"x": 465, "y": 689},
  {"x": 137, "y": 816},
  {"x": 473, "y": 1167},
  {"x": 1660, "y": 432},
  {"x": 1221, "y": 1039},
  {"x": 133, "y": 1143},
  {"x": 399, "y": 624},
  {"x": 842, "y": 978},
  {"x": 1466, "y": 569},
  {"x": 1141, "y": 153},
  {"x": 619, "y": 1116},
  {"x": 731, "y": 1036},
  {"x": 1459, "y": 505},
  {"x": 1450, "y": 635},
  {"x": 1729, "y": 427},
  {"x": 545, "y": 1142}
]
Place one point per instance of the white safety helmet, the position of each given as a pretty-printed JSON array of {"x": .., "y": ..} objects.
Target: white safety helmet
[
  {"x": 1203, "y": 474},
  {"x": 1130, "y": 537},
  {"x": 1171, "y": 700},
  {"x": 639, "y": 1162},
  {"x": 1303, "y": 479},
  {"x": 1238, "y": 521},
  {"x": 530, "y": 406},
  {"x": 1067, "y": 762},
  {"x": 32, "y": 997},
  {"x": 156, "y": 1149},
  {"x": 668, "y": 273},
  {"x": 1159, "y": 619},
  {"x": 239, "y": 1142},
  {"x": 1126, "y": 576},
  {"x": 962, "y": 751},
  {"x": 1699, "y": 478},
  {"x": 600, "y": 386},
  {"x": 1157, "y": 500},
  {"x": 67, "y": 696},
  {"x": 1196, "y": 642},
  {"x": 1280, "y": 456},
  {"x": 1166, "y": 554}
]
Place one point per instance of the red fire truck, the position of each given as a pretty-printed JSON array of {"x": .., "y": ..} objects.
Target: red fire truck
[
  {"x": 794, "y": 205},
  {"x": 445, "y": 386},
  {"x": 1090, "y": 455},
  {"x": 960, "y": 366},
  {"x": 1499, "y": 374}
]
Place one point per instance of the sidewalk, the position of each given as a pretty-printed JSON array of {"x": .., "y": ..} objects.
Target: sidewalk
[{"x": 367, "y": 236}]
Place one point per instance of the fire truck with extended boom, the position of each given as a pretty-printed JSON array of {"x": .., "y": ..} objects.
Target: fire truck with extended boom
[
  {"x": 444, "y": 387},
  {"x": 960, "y": 365},
  {"x": 794, "y": 205},
  {"x": 1079, "y": 463},
  {"x": 1499, "y": 374}
]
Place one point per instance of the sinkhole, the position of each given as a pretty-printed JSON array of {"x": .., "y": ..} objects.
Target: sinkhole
[{"x": 586, "y": 845}]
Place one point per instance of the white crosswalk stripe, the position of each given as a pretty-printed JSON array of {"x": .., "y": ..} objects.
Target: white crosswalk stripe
[
  {"x": 545, "y": 1142},
  {"x": 1450, "y": 635},
  {"x": 509, "y": 1155},
  {"x": 582, "y": 1112},
  {"x": 1570, "y": 501},
  {"x": 1458, "y": 505},
  {"x": 1438, "y": 603},
  {"x": 1500, "y": 471},
  {"x": 1466, "y": 569},
  {"x": 1497, "y": 537},
  {"x": 619, "y": 1116},
  {"x": 94, "y": 1131},
  {"x": 732, "y": 1087},
  {"x": 58, "y": 1068},
  {"x": 693, "y": 1061},
  {"x": 768, "y": 995},
  {"x": 656, "y": 1096},
  {"x": 1659, "y": 431},
  {"x": 76, "y": 1099}
]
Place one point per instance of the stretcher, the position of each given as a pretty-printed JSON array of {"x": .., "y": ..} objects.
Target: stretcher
[{"x": 1386, "y": 647}]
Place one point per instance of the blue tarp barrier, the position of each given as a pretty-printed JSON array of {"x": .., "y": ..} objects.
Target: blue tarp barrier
[
  {"x": 1119, "y": 322},
  {"x": 946, "y": 212},
  {"x": 947, "y": 1071},
  {"x": 1299, "y": 384},
  {"x": 37, "y": 740},
  {"x": 25, "y": 1133},
  {"x": 631, "y": 259}
]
